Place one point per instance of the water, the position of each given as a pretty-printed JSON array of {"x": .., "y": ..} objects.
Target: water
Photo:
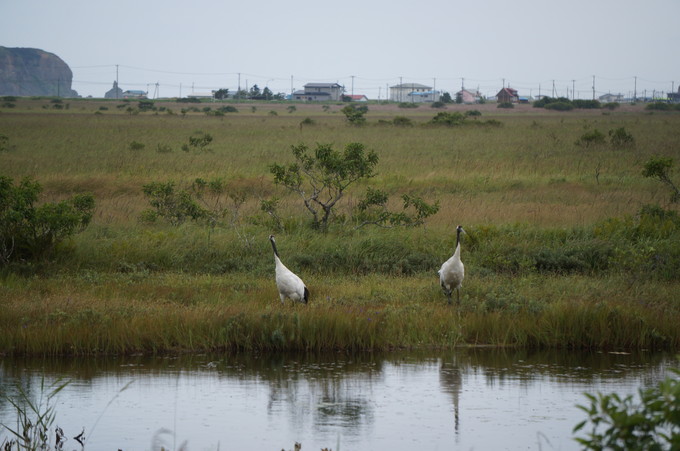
[{"x": 472, "y": 399}]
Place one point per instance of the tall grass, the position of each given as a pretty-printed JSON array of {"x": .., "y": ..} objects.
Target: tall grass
[{"x": 560, "y": 252}]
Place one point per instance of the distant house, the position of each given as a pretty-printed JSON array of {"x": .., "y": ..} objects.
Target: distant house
[
  {"x": 609, "y": 98},
  {"x": 201, "y": 95},
  {"x": 114, "y": 93},
  {"x": 674, "y": 97},
  {"x": 467, "y": 96},
  {"x": 132, "y": 94},
  {"x": 358, "y": 98},
  {"x": 413, "y": 92},
  {"x": 320, "y": 92},
  {"x": 507, "y": 95}
]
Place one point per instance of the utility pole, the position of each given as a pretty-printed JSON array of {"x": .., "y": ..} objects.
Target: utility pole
[
  {"x": 352, "y": 85},
  {"x": 117, "y": 81},
  {"x": 553, "y": 91},
  {"x": 238, "y": 90},
  {"x": 573, "y": 90},
  {"x": 593, "y": 87},
  {"x": 291, "y": 87},
  {"x": 635, "y": 90}
]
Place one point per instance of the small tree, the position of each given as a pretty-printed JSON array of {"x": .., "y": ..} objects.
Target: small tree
[
  {"x": 355, "y": 114},
  {"x": 321, "y": 178},
  {"x": 446, "y": 98},
  {"x": 660, "y": 169},
  {"x": 221, "y": 94}
]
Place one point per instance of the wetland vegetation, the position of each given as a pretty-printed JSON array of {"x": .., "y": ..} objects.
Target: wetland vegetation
[{"x": 569, "y": 244}]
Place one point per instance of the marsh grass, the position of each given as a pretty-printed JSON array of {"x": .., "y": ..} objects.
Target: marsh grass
[
  {"x": 558, "y": 252},
  {"x": 34, "y": 419}
]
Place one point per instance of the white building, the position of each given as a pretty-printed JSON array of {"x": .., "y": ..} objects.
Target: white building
[
  {"x": 413, "y": 92},
  {"x": 320, "y": 92}
]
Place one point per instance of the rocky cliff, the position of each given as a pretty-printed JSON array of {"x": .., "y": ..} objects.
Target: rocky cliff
[{"x": 34, "y": 72}]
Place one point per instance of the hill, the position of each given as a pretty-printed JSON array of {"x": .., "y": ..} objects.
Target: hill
[{"x": 34, "y": 72}]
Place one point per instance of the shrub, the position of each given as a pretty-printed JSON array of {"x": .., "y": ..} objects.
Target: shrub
[
  {"x": 30, "y": 232},
  {"x": 135, "y": 146},
  {"x": 592, "y": 137},
  {"x": 620, "y": 138},
  {"x": 198, "y": 141},
  {"x": 505, "y": 105},
  {"x": 621, "y": 423},
  {"x": 4, "y": 143},
  {"x": 586, "y": 104},
  {"x": 228, "y": 109},
  {"x": 438, "y": 105},
  {"x": 408, "y": 105},
  {"x": 660, "y": 169},
  {"x": 402, "y": 121},
  {"x": 611, "y": 105},
  {"x": 659, "y": 106},
  {"x": 473, "y": 113},
  {"x": 145, "y": 105},
  {"x": 446, "y": 118},
  {"x": 175, "y": 206},
  {"x": 372, "y": 210},
  {"x": 560, "y": 106},
  {"x": 355, "y": 114}
]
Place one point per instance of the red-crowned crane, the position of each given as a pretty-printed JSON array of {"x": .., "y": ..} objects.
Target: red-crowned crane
[
  {"x": 452, "y": 272},
  {"x": 289, "y": 284}
]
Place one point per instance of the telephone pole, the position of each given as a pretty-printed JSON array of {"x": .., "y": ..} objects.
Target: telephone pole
[{"x": 593, "y": 87}]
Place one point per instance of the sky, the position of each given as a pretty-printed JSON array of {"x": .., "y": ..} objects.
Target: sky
[{"x": 171, "y": 48}]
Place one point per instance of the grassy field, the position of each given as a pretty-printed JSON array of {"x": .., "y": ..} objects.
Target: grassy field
[{"x": 557, "y": 252}]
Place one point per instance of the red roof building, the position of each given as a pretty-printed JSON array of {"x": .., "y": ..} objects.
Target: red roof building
[{"x": 507, "y": 95}]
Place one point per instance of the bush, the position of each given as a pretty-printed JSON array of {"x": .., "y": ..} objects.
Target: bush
[
  {"x": 592, "y": 137},
  {"x": 402, "y": 121},
  {"x": 228, "y": 109},
  {"x": 30, "y": 232},
  {"x": 506, "y": 105},
  {"x": 621, "y": 138},
  {"x": 560, "y": 106},
  {"x": 653, "y": 423},
  {"x": 586, "y": 104},
  {"x": 170, "y": 204},
  {"x": 407, "y": 105},
  {"x": 660, "y": 106},
  {"x": 449, "y": 119}
]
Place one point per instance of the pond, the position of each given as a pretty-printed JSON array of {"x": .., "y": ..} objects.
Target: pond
[{"x": 464, "y": 399}]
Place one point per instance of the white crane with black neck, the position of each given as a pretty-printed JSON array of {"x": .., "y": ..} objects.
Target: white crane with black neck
[
  {"x": 452, "y": 272},
  {"x": 289, "y": 284}
]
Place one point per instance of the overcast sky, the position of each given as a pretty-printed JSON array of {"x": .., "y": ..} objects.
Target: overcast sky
[{"x": 365, "y": 45}]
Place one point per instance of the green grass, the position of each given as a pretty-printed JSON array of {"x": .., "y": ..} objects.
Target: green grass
[{"x": 557, "y": 253}]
